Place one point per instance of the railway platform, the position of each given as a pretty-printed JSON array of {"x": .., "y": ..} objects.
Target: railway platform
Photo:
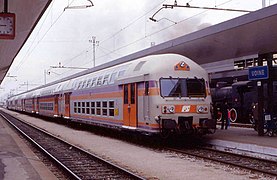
[
  {"x": 243, "y": 140},
  {"x": 17, "y": 161}
]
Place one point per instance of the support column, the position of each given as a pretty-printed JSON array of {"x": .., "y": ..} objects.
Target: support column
[
  {"x": 270, "y": 101},
  {"x": 260, "y": 123}
]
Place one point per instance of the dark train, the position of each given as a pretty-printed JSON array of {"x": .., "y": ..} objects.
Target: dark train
[{"x": 240, "y": 96}]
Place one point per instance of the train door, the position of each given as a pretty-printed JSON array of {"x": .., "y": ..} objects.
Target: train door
[
  {"x": 61, "y": 105},
  {"x": 22, "y": 105},
  {"x": 67, "y": 105},
  {"x": 37, "y": 105},
  {"x": 33, "y": 105},
  {"x": 56, "y": 107},
  {"x": 130, "y": 105}
]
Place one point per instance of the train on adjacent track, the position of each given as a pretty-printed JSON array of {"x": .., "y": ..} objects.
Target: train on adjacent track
[
  {"x": 241, "y": 97},
  {"x": 157, "y": 94}
]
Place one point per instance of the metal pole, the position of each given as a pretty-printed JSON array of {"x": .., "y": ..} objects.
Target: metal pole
[
  {"x": 44, "y": 76},
  {"x": 263, "y": 3},
  {"x": 270, "y": 83},
  {"x": 93, "y": 50},
  {"x": 260, "y": 123},
  {"x": 5, "y": 6}
]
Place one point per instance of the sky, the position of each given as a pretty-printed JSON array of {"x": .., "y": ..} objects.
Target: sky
[{"x": 121, "y": 27}]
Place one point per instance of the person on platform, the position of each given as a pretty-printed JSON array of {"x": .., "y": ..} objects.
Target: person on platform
[
  {"x": 224, "y": 110},
  {"x": 255, "y": 114}
]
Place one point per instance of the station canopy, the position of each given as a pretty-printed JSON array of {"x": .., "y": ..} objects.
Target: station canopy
[
  {"x": 28, "y": 13},
  {"x": 253, "y": 33}
]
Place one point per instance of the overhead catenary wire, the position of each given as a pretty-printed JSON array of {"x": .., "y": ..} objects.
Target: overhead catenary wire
[
  {"x": 163, "y": 29},
  {"x": 29, "y": 52},
  {"x": 132, "y": 22},
  {"x": 110, "y": 37},
  {"x": 153, "y": 33},
  {"x": 129, "y": 44}
]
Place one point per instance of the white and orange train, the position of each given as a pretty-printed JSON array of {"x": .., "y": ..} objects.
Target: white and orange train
[{"x": 158, "y": 94}]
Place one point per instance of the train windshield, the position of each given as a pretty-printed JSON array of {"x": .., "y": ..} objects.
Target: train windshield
[{"x": 182, "y": 87}]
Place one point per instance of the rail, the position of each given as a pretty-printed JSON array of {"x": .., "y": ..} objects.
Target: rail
[{"x": 76, "y": 162}]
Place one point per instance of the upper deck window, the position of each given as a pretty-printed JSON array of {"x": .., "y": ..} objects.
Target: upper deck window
[
  {"x": 84, "y": 84},
  {"x": 105, "y": 80},
  {"x": 93, "y": 83},
  {"x": 113, "y": 76},
  {"x": 99, "y": 80},
  {"x": 181, "y": 87},
  {"x": 121, "y": 73},
  {"x": 88, "y": 83}
]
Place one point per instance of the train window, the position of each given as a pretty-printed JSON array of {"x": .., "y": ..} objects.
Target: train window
[
  {"x": 111, "y": 104},
  {"x": 93, "y": 83},
  {"x": 76, "y": 84},
  {"x": 104, "y": 108},
  {"x": 139, "y": 65},
  {"x": 51, "y": 106},
  {"x": 133, "y": 93},
  {"x": 113, "y": 75},
  {"x": 126, "y": 94},
  {"x": 72, "y": 84},
  {"x": 146, "y": 88},
  {"x": 67, "y": 100},
  {"x": 83, "y": 107},
  {"x": 181, "y": 87},
  {"x": 75, "y": 107},
  {"x": 106, "y": 78},
  {"x": 98, "y": 108},
  {"x": 173, "y": 87},
  {"x": 121, "y": 73},
  {"x": 92, "y": 108},
  {"x": 88, "y": 107},
  {"x": 80, "y": 84},
  {"x": 99, "y": 80},
  {"x": 196, "y": 88},
  {"x": 111, "y": 108},
  {"x": 88, "y": 83},
  {"x": 84, "y": 84},
  {"x": 105, "y": 104}
]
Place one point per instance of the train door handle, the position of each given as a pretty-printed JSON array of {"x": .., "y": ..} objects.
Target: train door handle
[{"x": 129, "y": 107}]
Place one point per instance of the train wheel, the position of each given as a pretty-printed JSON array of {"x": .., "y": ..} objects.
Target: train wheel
[
  {"x": 165, "y": 133},
  {"x": 233, "y": 115},
  {"x": 219, "y": 116},
  {"x": 251, "y": 119},
  {"x": 270, "y": 133}
]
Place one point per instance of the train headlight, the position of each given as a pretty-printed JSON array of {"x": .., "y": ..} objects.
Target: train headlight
[
  {"x": 168, "y": 109},
  {"x": 171, "y": 109},
  {"x": 202, "y": 109}
]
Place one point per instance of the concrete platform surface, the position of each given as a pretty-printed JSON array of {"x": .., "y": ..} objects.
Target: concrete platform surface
[
  {"x": 17, "y": 161},
  {"x": 244, "y": 141},
  {"x": 163, "y": 165}
]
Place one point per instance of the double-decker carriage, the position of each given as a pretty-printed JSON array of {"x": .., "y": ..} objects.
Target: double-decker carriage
[{"x": 164, "y": 94}]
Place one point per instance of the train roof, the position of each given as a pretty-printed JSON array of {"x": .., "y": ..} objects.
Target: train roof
[{"x": 133, "y": 70}]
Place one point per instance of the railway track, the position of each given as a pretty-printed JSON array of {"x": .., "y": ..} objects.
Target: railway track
[
  {"x": 254, "y": 164},
  {"x": 75, "y": 162}
]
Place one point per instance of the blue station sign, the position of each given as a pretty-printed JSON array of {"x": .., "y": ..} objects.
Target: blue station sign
[{"x": 258, "y": 72}]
